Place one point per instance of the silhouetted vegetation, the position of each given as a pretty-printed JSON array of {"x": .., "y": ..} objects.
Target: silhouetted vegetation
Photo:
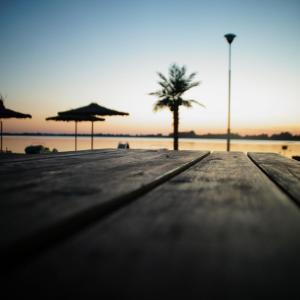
[
  {"x": 38, "y": 149},
  {"x": 285, "y": 136},
  {"x": 170, "y": 94}
]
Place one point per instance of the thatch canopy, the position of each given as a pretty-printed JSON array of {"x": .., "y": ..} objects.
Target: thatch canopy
[
  {"x": 6, "y": 113},
  {"x": 77, "y": 118},
  {"x": 94, "y": 109}
]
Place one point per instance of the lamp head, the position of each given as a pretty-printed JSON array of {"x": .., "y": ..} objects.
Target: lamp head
[{"x": 229, "y": 37}]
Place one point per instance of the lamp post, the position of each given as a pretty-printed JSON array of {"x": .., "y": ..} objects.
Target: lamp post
[{"x": 229, "y": 37}]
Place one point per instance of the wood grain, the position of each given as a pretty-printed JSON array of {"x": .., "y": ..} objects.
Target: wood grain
[
  {"x": 219, "y": 230},
  {"x": 19, "y": 157},
  {"x": 283, "y": 171},
  {"x": 45, "y": 200}
]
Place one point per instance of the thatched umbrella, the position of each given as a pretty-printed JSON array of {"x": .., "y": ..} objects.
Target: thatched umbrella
[
  {"x": 93, "y": 109},
  {"x": 6, "y": 113},
  {"x": 78, "y": 118}
]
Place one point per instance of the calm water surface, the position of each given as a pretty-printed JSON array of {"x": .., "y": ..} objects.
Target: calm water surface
[{"x": 18, "y": 144}]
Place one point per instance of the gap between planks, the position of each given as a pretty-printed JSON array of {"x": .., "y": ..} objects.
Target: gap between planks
[{"x": 284, "y": 172}]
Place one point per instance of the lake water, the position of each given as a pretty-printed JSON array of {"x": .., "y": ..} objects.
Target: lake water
[{"x": 18, "y": 143}]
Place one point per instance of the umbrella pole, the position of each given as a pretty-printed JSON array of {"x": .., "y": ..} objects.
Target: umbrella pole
[
  {"x": 92, "y": 136},
  {"x": 75, "y": 135},
  {"x": 1, "y": 135}
]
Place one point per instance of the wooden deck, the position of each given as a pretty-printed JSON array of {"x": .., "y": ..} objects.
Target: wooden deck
[{"x": 146, "y": 224}]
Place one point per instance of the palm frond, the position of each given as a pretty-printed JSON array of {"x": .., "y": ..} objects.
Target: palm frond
[
  {"x": 186, "y": 103},
  {"x": 183, "y": 71},
  {"x": 191, "y": 76},
  {"x": 163, "y": 77},
  {"x": 164, "y": 85},
  {"x": 162, "y": 104},
  {"x": 195, "y": 102},
  {"x": 191, "y": 85},
  {"x": 156, "y": 93}
]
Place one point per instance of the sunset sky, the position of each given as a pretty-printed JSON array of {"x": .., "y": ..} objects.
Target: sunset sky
[{"x": 57, "y": 55}]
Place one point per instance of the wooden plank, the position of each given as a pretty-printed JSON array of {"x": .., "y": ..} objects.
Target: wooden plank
[
  {"x": 285, "y": 172},
  {"x": 220, "y": 230},
  {"x": 46, "y": 200},
  {"x": 17, "y": 157}
]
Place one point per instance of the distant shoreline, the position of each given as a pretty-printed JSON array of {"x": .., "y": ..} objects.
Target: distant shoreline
[{"x": 284, "y": 136}]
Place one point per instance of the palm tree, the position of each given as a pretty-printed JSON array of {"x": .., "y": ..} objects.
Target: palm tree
[{"x": 170, "y": 94}]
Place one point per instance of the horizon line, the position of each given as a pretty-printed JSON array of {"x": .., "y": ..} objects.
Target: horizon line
[{"x": 185, "y": 133}]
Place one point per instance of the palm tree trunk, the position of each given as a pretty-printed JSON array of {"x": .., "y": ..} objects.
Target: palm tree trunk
[{"x": 175, "y": 127}]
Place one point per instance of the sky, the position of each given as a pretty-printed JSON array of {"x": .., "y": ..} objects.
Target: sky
[{"x": 58, "y": 55}]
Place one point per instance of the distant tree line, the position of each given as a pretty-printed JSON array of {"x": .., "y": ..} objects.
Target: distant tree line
[{"x": 283, "y": 136}]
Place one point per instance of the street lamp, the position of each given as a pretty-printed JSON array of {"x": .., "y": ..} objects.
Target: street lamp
[{"x": 229, "y": 37}]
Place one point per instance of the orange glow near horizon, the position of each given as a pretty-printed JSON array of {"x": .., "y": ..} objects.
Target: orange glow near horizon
[{"x": 120, "y": 125}]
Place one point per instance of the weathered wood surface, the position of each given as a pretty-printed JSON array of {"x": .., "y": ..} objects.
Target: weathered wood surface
[
  {"x": 283, "y": 171},
  {"x": 17, "y": 157},
  {"x": 47, "y": 199},
  {"x": 219, "y": 230}
]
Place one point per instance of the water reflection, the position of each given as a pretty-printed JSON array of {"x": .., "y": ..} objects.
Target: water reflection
[{"x": 18, "y": 144}]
